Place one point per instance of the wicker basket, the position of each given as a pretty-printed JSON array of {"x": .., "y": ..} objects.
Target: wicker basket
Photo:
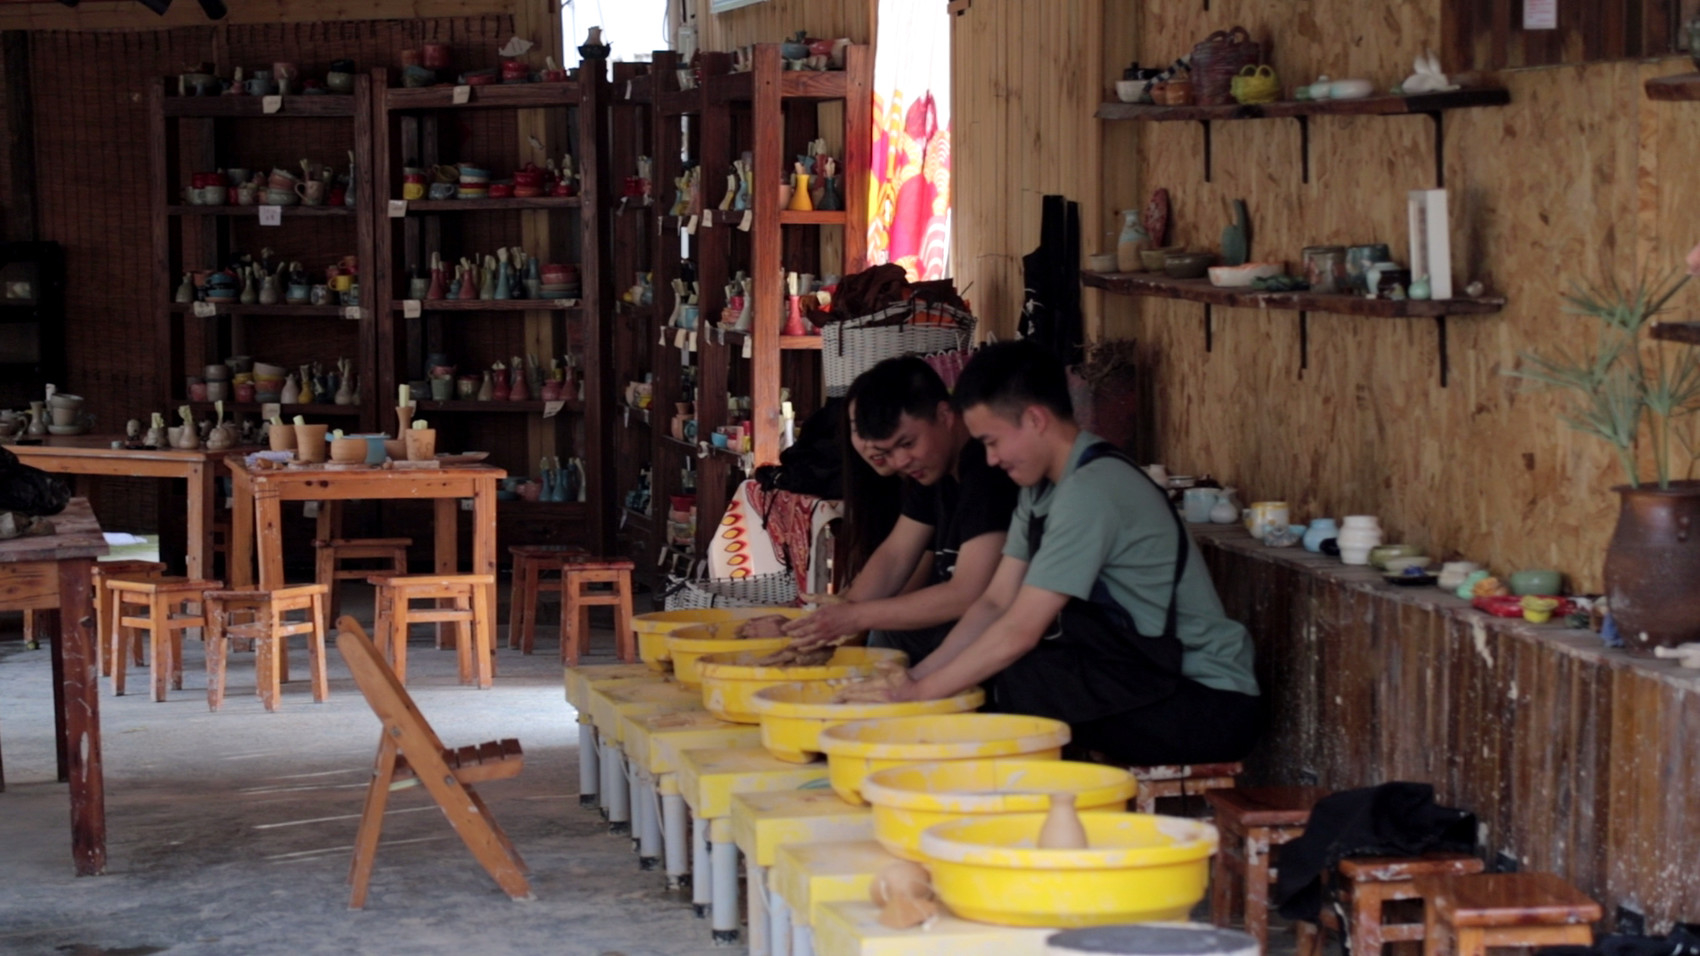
[
  {"x": 853, "y": 346},
  {"x": 1217, "y": 60},
  {"x": 778, "y": 589}
]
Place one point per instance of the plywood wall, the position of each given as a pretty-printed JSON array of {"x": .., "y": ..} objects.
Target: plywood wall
[{"x": 775, "y": 20}]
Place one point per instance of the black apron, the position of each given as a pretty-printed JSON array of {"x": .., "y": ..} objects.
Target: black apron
[{"x": 1093, "y": 662}]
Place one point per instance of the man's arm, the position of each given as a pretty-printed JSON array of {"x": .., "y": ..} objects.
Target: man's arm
[
  {"x": 1014, "y": 633},
  {"x": 938, "y": 604},
  {"x": 887, "y": 572},
  {"x": 1006, "y": 583}
]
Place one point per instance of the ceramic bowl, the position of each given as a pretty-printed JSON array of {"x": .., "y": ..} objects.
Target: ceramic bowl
[
  {"x": 1241, "y": 277},
  {"x": 1128, "y": 91},
  {"x": 1187, "y": 265},
  {"x": 1398, "y": 565},
  {"x": 1380, "y": 555},
  {"x": 1102, "y": 262},
  {"x": 1152, "y": 259},
  {"x": 1350, "y": 89},
  {"x": 1535, "y": 582},
  {"x": 348, "y": 451}
]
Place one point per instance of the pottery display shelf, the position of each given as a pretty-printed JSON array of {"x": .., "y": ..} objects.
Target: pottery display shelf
[
  {"x": 482, "y": 205},
  {"x": 1683, "y": 86},
  {"x": 1432, "y": 105},
  {"x": 485, "y": 96},
  {"x": 1155, "y": 285},
  {"x": 214, "y": 107},
  {"x": 288, "y": 212},
  {"x": 202, "y": 409},
  {"x": 494, "y": 407},
  {"x": 492, "y": 305},
  {"x": 282, "y": 308}
]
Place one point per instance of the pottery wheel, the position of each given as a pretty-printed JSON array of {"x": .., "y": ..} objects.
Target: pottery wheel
[{"x": 1157, "y": 218}]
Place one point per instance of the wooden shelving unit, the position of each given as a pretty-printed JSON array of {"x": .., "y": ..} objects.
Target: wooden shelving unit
[
  {"x": 1686, "y": 332},
  {"x": 425, "y": 127},
  {"x": 203, "y": 134},
  {"x": 1200, "y": 290},
  {"x": 1683, "y": 86}
]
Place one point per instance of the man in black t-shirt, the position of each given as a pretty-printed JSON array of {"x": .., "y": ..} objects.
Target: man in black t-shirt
[{"x": 955, "y": 507}]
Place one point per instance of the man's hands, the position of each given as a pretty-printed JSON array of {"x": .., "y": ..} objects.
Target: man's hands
[
  {"x": 834, "y": 624},
  {"x": 890, "y": 684}
]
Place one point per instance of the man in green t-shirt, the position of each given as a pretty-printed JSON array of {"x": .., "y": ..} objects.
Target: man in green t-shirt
[{"x": 1101, "y": 612}]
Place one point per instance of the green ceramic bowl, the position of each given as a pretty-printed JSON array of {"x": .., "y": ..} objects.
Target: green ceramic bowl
[
  {"x": 1378, "y": 556},
  {"x": 1536, "y": 581}
]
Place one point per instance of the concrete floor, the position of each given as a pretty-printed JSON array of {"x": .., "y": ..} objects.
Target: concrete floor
[{"x": 232, "y": 832}]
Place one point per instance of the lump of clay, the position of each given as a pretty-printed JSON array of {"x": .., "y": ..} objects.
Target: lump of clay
[
  {"x": 790, "y": 656},
  {"x": 888, "y": 675},
  {"x": 904, "y": 893},
  {"x": 770, "y": 625}
]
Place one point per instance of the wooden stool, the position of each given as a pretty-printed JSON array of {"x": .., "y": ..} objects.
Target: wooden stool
[
  {"x": 467, "y": 598},
  {"x": 1374, "y": 881},
  {"x": 329, "y": 555},
  {"x": 579, "y": 593},
  {"x": 1469, "y": 914},
  {"x": 270, "y": 630},
  {"x": 531, "y": 562},
  {"x": 165, "y": 615},
  {"x": 105, "y": 609},
  {"x": 1175, "y": 780},
  {"x": 1253, "y": 821}
]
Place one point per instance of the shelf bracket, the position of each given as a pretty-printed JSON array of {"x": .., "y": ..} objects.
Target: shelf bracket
[
  {"x": 1209, "y": 332},
  {"x": 1439, "y": 121},
  {"x": 1206, "y": 125},
  {"x": 1440, "y": 331},
  {"x": 1304, "y": 342},
  {"x": 1304, "y": 147}
]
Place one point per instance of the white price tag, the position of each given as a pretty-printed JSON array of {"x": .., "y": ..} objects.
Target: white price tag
[
  {"x": 398, "y": 208},
  {"x": 748, "y": 221},
  {"x": 679, "y": 339},
  {"x": 410, "y": 308},
  {"x": 551, "y": 409},
  {"x": 628, "y": 96},
  {"x": 691, "y": 226},
  {"x": 271, "y": 104},
  {"x": 205, "y": 310},
  {"x": 351, "y": 312},
  {"x": 463, "y": 94},
  {"x": 271, "y": 215},
  {"x": 271, "y": 410},
  {"x": 692, "y": 342},
  {"x": 747, "y": 352},
  {"x": 1540, "y": 14},
  {"x": 708, "y": 218},
  {"x": 626, "y": 416},
  {"x": 662, "y": 338}
]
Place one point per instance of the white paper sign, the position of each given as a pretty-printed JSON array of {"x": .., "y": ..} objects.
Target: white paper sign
[
  {"x": 1540, "y": 14},
  {"x": 271, "y": 104},
  {"x": 271, "y": 215},
  {"x": 708, "y": 218},
  {"x": 679, "y": 339},
  {"x": 551, "y": 409},
  {"x": 351, "y": 312},
  {"x": 271, "y": 410},
  {"x": 691, "y": 226},
  {"x": 398, "y": 208},
  {"x": 691, "y": 342},
  {"x": 463, "y": 94},
  {"x": 410, "y": 308},
  {"x": 747, "y": 352},
  {"x": 205, "y": 310},
  {"x": 748, "y": 221}
]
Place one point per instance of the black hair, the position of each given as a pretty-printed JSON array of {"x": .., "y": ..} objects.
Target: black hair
[
  {"x": 1007, "y": 377},
  {"x": 895, "y": 387},
  {"x": 871, "y": 503}
]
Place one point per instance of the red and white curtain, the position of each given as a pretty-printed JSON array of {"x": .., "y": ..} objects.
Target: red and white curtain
[{"x": 909, "y": 221}]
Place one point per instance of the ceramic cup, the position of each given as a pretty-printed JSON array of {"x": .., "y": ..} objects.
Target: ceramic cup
[
  {"x": 282, "y": 437},
  {"x": 348, "y": 451},
  {"x": 281, "y": 197},
  {"x": 442, "y": 389},
  {"x": 312, "y": 193},
  {"x": 310, "y": 442},
  {"x": 421, "y": 443},
  {"x": 247, "y": 194},
  {"x": 1536, "y": 582},
  {"x": 1196, "y": 504},
  {"x": 1265, "y": 516}
]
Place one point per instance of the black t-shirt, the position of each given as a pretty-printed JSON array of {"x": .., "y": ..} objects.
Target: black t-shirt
[{"x": 980, "y": 499}]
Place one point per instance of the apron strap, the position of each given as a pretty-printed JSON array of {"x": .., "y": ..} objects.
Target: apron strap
[{"x": 1104, "y": 449}]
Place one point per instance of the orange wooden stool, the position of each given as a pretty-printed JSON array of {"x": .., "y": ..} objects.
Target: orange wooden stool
[
  {"x": 329, "y": 555},
  {"x": 270, "y": 631},
  {"x": 1467, "y": 915},
  {"x": 1253, "y": 821},
  {"x": 531, "y": 562},
  {"x": 105, "y": 613},
  {"x": 459, "y": 599},
  {"x": 1372, "y": 882},
  {"x": 1181, "y": 780},
  {"x": 165, "y": 615},
  {"x": 580, "y": 591}
]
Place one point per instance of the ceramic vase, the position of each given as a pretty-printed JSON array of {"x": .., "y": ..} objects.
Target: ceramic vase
[
  {"x": 1319, "y": 531},
  {"x": 486, "y": 389},
  {"x": 1132, "y": 241},
  {"x": 1359, "y": 534},
  {"x": 1226, "y": 510},
  {"x": 1062, "y": 829},
  {"x": 500, "y": 391},
  {"x": 1651, "y": 565}
]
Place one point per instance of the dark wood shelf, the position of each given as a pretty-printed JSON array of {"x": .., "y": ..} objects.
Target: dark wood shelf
[
  {"x": 813, "y": 217},
  {"x": 251, "y": 212},
  {"x": 237, "y": 308},
  {"x": 492, "y": 305},
  {"x": 214, "y": 107},
  {"x": 544, "y": 509},
  {"x": 1683, "y": 86},
  {"x": 1200, "y": 290},
  {"x": 494, "y": 407},
  {"x": 485, "y": 205},
  {"x": 487, "y": 96},
  {"x": 793, "y": 85},
  {"x": 1687, "y": 332},
  {"x": 289, "y": 411},
  {"x": 634, "y": 416},
  {"x": 686, "y": 446},
  {"x": 637, "y": 522},
  {"x": 1383, "y": 105},
  {"x": 635, "y": 311},
  {"x": 680, "y": 103}
]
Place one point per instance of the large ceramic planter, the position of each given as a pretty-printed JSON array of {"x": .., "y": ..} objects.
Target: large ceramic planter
[{"x": 1652, "y": 567}]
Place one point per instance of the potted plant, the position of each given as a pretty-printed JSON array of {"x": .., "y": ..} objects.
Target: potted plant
[{"x": 1642, "y": 400}]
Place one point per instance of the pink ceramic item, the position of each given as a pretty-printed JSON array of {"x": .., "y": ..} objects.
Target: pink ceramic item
[{"x": 1157, "y": 218}]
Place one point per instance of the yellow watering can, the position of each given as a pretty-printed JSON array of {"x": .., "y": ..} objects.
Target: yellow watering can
[{"x": 1256, "y": 84}]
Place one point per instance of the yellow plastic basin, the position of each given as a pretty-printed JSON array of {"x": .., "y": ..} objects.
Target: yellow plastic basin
[
  {"x": 857, "y": 749},
  {"x": 793, "y": 715},
  {"x": 911, "y": 798},
  {"x": 1140, "y": 868},
  {"x": 687, "y": 645},
  {"x": 731, "y": 681},
  {"x": 652, "y": 629}
]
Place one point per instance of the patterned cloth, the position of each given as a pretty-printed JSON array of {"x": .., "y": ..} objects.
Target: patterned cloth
[
  {"x": 794, "y": 524},
  {"x": 909, "y": 220}
]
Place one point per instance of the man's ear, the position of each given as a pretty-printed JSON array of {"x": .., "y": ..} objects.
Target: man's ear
[
  {"x": 1037, "y": 417},
  {"x": 945, "y": 413}
]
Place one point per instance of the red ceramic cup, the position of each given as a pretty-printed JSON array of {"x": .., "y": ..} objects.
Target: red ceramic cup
[
  {"x": 528, "y": 177},
  {"x": 501, "y": 190},
  {"x": 245, "y": 392},
  {"x": 515, "y": 70},
  {"x": 434, "y": 56}
]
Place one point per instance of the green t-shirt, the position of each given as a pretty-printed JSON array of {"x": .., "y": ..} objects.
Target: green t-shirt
[{"x": 1102, "y": 522}]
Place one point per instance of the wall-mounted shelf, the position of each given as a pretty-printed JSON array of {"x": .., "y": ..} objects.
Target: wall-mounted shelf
[
  {"x": 1200, "y": 290},
  {"x": 483, "y": 205},
  {"x": 487, "y": 96},
  {"x": 298, "y": 311},
  {"x": 1683, "y": 86},
  {"x": 215, "y": 107},
  {"x": 249, "y": 212},
  {"x": 793, "y": 85},
  {"x": 494, "y": 407},
  {"x": 490, "y": 305},
  {"x": 1686, "y": 332}
]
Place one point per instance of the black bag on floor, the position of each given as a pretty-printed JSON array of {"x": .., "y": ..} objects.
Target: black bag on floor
[{"x": 29, "y": 490}]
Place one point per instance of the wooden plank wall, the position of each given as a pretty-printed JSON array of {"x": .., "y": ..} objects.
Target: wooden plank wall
[
  {"x": 1580, "y": 761},
  {"x": 776, "y": 20},
  {"x": 1579, "y": 178}
]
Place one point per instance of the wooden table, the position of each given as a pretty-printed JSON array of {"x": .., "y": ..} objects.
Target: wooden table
[
  {"x": 94, "y": 455},
  {"x": 259, "y": 510},
  {"x": 50, "y": 574}
]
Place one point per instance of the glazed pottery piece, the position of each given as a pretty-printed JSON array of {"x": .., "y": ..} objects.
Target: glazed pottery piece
[
  {"x": 1187, "y": 265},
  {"x": 1320, "y": 530},
  {"x": 1536, "y": 581}
]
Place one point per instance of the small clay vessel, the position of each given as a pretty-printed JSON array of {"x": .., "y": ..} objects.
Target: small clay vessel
[
  {"x": 904, "y": 893},
  {"x": 1062, "y": 829}
]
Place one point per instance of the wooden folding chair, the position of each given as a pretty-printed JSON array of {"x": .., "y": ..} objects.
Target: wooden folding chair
[{"x": 409, "y": 751}]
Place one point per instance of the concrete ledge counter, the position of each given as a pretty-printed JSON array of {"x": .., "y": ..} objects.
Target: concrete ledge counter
[{"x": 1580, "y": 759}]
